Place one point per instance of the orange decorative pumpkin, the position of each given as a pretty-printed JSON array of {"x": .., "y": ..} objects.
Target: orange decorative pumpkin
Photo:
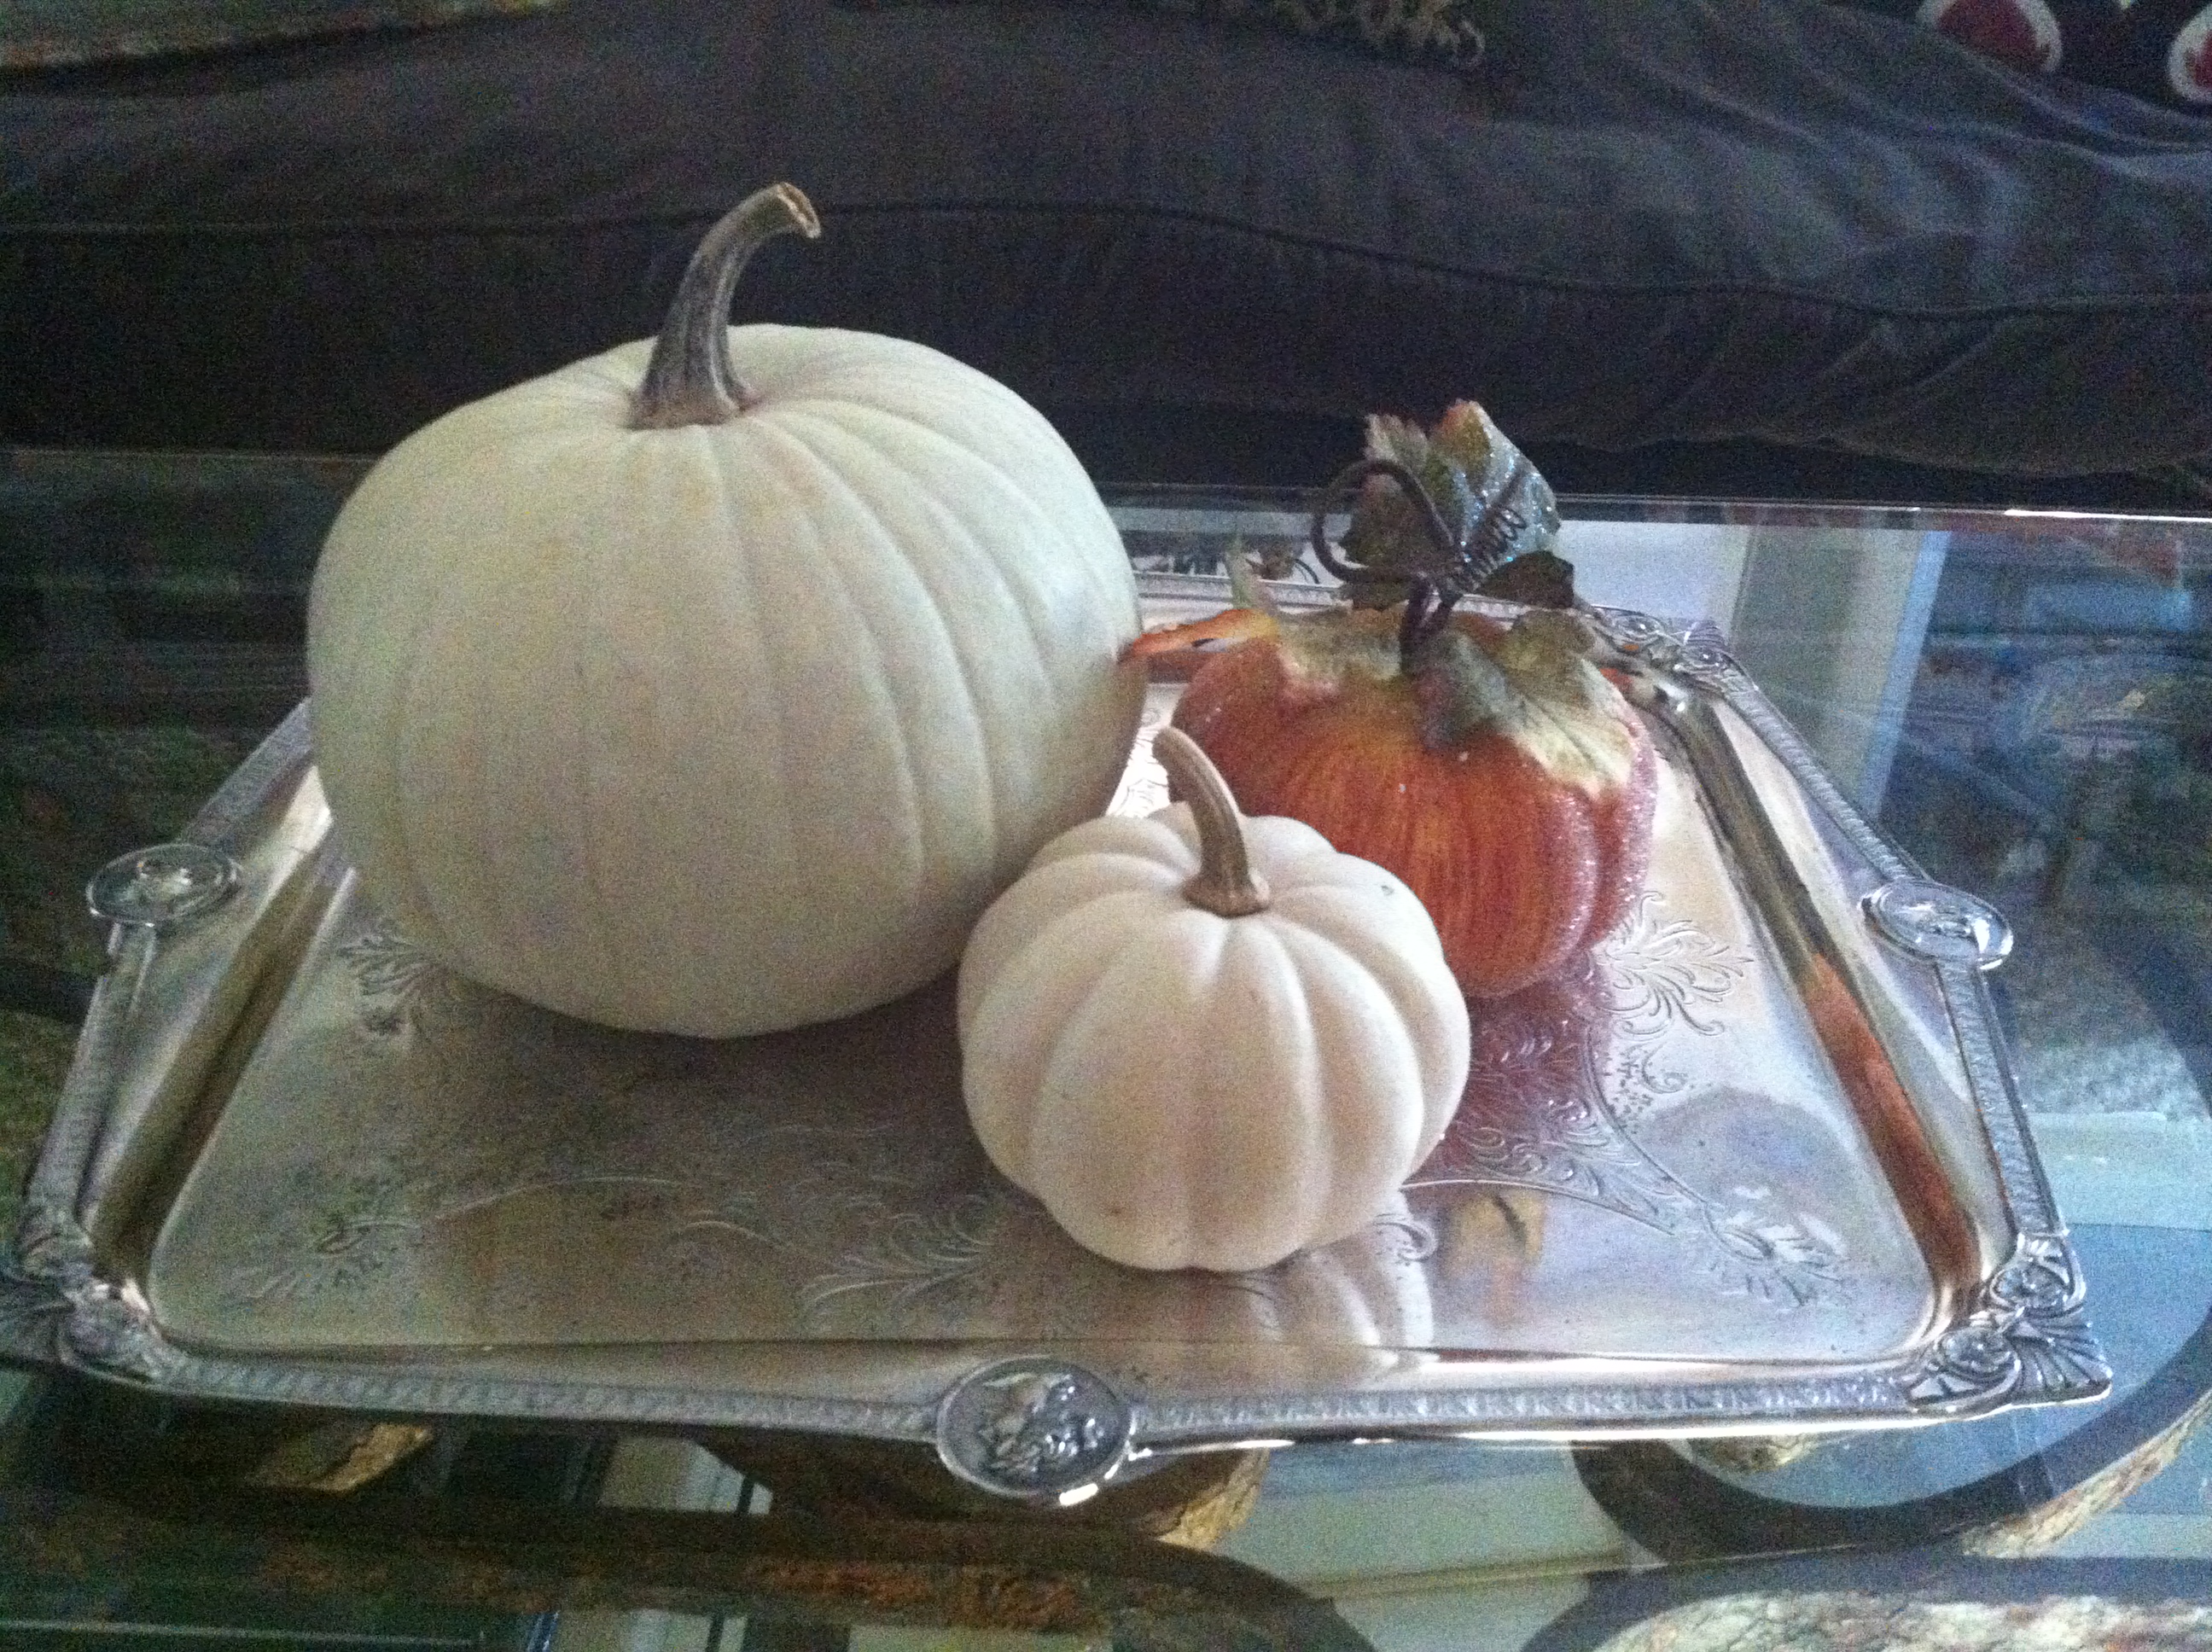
[
  {"x": 1496, "y": 769},
  {"x": 1525, "y": 829}
]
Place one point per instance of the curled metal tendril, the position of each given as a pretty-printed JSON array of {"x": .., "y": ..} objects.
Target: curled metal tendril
[
  {"x": 1428, "y": 606},
  {"x": 1346, "y": 481},
  {"x": 1461, "y": 563}
]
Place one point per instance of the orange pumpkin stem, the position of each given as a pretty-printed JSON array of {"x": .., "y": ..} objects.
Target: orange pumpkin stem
[{"x": 1225, "y": 885}]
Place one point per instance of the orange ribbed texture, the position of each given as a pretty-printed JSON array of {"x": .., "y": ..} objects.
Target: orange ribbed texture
[{"x": 1519, "y": 871}]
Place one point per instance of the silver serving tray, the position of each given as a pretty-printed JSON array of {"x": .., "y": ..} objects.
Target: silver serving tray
[{"x": 1759, "y": 1168}]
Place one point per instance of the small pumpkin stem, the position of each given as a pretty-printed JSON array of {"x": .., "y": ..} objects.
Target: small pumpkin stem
[
  {"x": 1225, "y": 885},
  {"x": 690, "y": 379}
]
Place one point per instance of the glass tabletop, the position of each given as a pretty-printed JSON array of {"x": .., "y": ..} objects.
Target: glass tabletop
[{"x": 2021, "y": 701}]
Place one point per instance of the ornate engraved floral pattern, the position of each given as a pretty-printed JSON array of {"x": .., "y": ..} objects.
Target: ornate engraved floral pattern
[
  {"x": 1658, "y": 974},
  {"x": 915, "y": 1252},
  {"x": 398, "y": 982},
  {"x": 348, "y": 1229},
  {"x": 592, "y": 1140},
  {"x": 354, "y": 1227},
  {"x": 1659, "y": 971},
  {"x": 1562, "y": 1069}
]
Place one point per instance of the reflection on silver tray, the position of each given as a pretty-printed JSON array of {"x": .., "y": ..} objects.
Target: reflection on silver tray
[{"x": 1756, "y": 1163}]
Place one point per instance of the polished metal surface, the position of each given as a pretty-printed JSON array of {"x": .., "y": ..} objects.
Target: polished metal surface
[
  {"x": 1755, "y": 1165},
  {"x": 165, "y": 884},
  {"x": 1940, "y": 924}
]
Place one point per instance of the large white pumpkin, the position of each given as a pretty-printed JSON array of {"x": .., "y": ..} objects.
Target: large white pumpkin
[
  {"x": 726, "y": 723},
  {"x": 1207, "y": 1041}
]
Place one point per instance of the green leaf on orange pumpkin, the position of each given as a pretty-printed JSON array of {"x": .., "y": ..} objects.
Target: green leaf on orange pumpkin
[
  {"x": 1322, "y": 652},
  {"x": 1537, "y": 686}
]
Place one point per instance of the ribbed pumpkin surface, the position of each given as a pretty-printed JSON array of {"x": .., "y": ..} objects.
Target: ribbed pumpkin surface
[
  {"x": 1518, "y": 869},
  {"x": 725, "y": 728}
]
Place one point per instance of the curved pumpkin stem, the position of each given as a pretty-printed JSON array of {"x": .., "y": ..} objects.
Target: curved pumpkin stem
[
  {"x": 1225, "y": 885},
  {"x": 690, "y": 379}
]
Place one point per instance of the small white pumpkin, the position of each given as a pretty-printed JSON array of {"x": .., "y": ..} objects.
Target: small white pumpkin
[
  {"x": 706, "y": 705},
  {"x": 1207, "y": 1041}
]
